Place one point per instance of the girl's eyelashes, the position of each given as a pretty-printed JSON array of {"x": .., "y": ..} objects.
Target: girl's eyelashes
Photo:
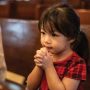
[
  {"x": 42, "y": 32},
  {"x": 53, "y": 34}
]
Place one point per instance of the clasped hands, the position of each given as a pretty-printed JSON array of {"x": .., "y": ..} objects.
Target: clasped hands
[{"x": 43, "y": 58}]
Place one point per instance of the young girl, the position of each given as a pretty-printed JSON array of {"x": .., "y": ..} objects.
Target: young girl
[{"x": 60, "y": 63}]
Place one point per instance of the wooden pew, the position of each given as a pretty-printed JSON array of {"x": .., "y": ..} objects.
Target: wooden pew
[
  {"x": 84, "y": 15},
  {"x": 20, "y": 42},
  {"x": 5, "y": 10},
  {"x": 26, "y": 10},
  {"x": 39, "y": 10}
]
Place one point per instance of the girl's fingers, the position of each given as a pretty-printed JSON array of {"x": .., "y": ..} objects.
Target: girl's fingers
[
  {"x": 39, "y": 65},
  {"x": 42, "y": 52},
  {"x": 38, "y": 56},
  {"x": 38, "y": 60}
]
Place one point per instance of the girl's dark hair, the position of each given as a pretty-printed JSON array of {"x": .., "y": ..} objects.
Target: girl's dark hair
[{"x": 63, "y": 18}]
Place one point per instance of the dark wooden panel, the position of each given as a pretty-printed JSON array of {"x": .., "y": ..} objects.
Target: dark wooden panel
[
  {"x": 51, "y": 1},
  {"x": 4, "y": 10},
  {"x": 84, "y": 15},
  {"x": 40, "y": 8},
  {"x": 75, "y": 3},
  {"x": 25, "y": 10},
  {"x": 20, "y": 40}
]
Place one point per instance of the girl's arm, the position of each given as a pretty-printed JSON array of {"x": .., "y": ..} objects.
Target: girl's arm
[
  {"x": 45, "y": 61},
  {"x": 34, "y": 78},
  {"x": 55, "y": 83}
]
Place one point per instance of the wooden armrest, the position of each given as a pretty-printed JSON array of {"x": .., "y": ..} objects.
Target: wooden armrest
[{"x": 17, "y": 78}]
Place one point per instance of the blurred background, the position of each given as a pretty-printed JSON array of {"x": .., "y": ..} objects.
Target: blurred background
[{"x": 32, "y": 9}]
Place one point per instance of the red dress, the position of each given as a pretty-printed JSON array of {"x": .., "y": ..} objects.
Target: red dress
[{"x": 73, "y": 67}]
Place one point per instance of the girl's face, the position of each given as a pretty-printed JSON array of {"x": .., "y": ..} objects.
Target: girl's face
[{"x": 55, "y": 43}]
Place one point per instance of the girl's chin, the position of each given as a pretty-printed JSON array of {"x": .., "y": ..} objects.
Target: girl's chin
[{"x": 54, "y": 52}]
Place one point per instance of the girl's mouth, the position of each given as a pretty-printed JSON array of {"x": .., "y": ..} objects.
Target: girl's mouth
[{"x": 48, "y": 49}]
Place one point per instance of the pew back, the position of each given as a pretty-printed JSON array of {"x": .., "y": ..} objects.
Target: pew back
[{"x": 20, "y": 41}]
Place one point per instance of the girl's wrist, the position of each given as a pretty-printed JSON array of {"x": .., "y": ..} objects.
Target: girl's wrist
[
  {"x": 48, "y": 68},
  {"x": 38, "y": 67}
]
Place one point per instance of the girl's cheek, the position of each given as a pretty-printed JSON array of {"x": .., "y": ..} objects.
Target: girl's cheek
[{"x": 42, "y": 43}]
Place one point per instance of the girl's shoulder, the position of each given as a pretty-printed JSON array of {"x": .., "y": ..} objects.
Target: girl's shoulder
[
  {"x": 74, "y": 67},
  {"x": 77, "y": 59},
  {"x": 77, "y": 68},
  {"x": 74, "y": 59}
]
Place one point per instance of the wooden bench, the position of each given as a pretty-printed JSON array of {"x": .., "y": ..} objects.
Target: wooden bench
[
  {"x": 5, "y": 10},
  {"x": 84, "y": 15},
  {"x": 20, "y": 42}
]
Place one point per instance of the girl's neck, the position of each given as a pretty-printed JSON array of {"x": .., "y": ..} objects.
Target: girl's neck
[{"x": 62, "y": 56}]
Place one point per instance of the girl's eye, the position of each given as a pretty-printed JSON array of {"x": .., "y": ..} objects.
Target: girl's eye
[
  {"x": 55, "y": 35},
  {"x": 42, "y": 33}
]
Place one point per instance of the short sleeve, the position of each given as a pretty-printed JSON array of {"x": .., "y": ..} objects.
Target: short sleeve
[{"x": 77, "y": 71}]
